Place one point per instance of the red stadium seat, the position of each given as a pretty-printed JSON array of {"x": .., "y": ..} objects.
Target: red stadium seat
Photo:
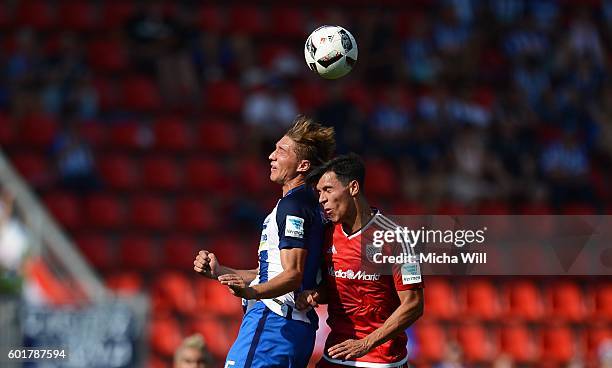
[
  {"x": 218, "y": 136},
  {"x": 34, "y": 168},
  {"x": 97, "y": 250},
  {"x": 140, "y": 94},
  {"x": 480, "y": 299},
  {"x": 360, "y": 96},
  {"x": 125, "y": 282},
  {"x": 224, "y": 97},
  {"x": 381, "y": 180},
  {"x": 216, "y": 334},
  {"x": 119, "y": 172},
  {"x": 115, "y": 14},
  {"x": 172, "y": 133},
  {"x": 104, "y": 211},
  {"x": 177, "y": 289},
  {"x": 493, "y": 208},
  {"x": 309, "y": 96},
  {"x": 37, "y": 14},
  {"x": 287, "y": 21},
  {"x": 518, "y": 342},
  {"x": 205, "y": 174},
  {"x": 440, "y": 300},
  {"x": 149, "y": 212},
  {"x": 161, "y": 173},
  {"x": 107, "y": 55},
  {"x": 107, "y": 93},
  {"x": 138, "y": 252},
  {"x": 451, "y": 209},
  {"x": 7, "y": 131},
  {"x": 195, "y": 215},
  {"x": 95, "y": 133},
  {"x": 37, "y": 130},
  {"x": 216, "y": 299},
  {"x": 76, "y": 16},
  {"x": 5, "y": 18},
  {"x": 65, "y": 208},
  {"x": 565, "y": 301},
  {"x": 476, "y": 343},
  {"x": 127, "y": 135},
  {"x": 601, "y": 302},
  {"x": 179, "y": 251},
  {"x": 425, "y": 333},
  {"x": 253, "y": 175},
  {"x": 246, "y": 19},
  {"x": 165, "y": 335},
  {"x": 594, "y": 337},
  {"x": 557, "y": 344},
  {"x": 523, "y": 301},
  {"x": 579, "y": 209},
  {"x": 155, "y": 361},
  {"x": 408, "y": 208},
  {"x": 210, "y": 18}
]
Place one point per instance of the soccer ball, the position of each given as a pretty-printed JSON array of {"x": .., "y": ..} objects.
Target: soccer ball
[{"x": 330, "y": 51}]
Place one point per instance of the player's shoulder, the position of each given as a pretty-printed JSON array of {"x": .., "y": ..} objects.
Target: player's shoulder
[
  {"x": 384, "y": 222},
  {"x": 299, "y": 197}
]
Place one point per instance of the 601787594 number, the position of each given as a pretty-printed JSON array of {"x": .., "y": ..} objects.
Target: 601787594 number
[{"x": 35, "y": 354}]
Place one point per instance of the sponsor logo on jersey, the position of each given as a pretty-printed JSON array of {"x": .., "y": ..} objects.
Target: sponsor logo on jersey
[
  {"x": 411, "y": 273},
  {"x": 352, "y": 275},
  {"x": 294, "y": 227}
]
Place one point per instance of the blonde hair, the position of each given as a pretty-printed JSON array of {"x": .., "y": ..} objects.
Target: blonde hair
[
  {"x": 314, "y": 142},
  {"x": 195, "y": 341}
]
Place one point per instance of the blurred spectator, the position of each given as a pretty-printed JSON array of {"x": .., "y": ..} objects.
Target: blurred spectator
[
  {"x": 269, "y": 108},
  {"x": 13, "y": 245},
  {"x": 452, "y": 357},
  {"x": 192, "y": 353},
  {"x": 390, "y": 123},
  {"x": 74, "y": 160}
]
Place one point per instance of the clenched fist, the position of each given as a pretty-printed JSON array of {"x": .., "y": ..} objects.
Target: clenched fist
[{"x": 206, "y": 264}]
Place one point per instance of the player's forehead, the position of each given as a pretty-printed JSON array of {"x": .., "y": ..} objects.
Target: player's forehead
[
  {"x": 285, "y": 143},
  {"x": 328, "y": 179}
]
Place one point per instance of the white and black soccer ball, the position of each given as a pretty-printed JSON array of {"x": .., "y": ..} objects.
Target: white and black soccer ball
[{"x": 330, "y": 51}]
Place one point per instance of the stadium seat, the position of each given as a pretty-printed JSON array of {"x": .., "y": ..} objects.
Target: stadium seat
[
  {"x": 107, "y": 93},
  {"x": 245, "y": 19},
  {"x": 218, "y": 136},
  {"x": 119, "y": 172},
  {"x": 156, "y": 361},
  {"x": 37, "y": 130},
  {"x": 205, "y": 174},
  {"x": 309, "y": 95},
  {"x": 104, "y": 211},
  {"x": 195, "y": 214},
  {"x": 440, "y": 300},
  {"x": 252, "y": 174},
  {"x": 424, "y": 333},
  {"x": 210, "y": 18},
  {"x": 172, "y": 133},
  {"x": 149, "y": 212},
  {"x": 165, "y": 335},
  {"x": 214, "y": 298},
  {"x": 523, "y": 301},
  {"x": 37, "y": 14},
  {"x": 34, "y": 168},
  {"x": 408, "y": 208},
  {"x": 579, "y": 209},
  {"x": 107, "y": 55},
  {"x": 557, "y": 344},
  {"x": 94, "y": 133},
  {"x": 177, "y": 290},
  {"x": 593, "y": 338},
  {"x": 161, "y": 173},
  {"x": 78, "y": 16},
  {"x": 518, "y": 342},
  {"x": 5, "y": 18},
  {"x": 140, "y": 94},
  {"x": 7, "y": 131},
  {"x": 65, "y": 208},
  {"x": 381, "y": 180},
  {"x": 224, "y": 97},
  {"x": 115, "y": 14},
  {"x": 97, "y": 250},
  {"x": 287, "y": 21},
  {"x": 480, "y": 299},
  {"x": 600, "y": 300},
  {"x": 138, "y": 252},
  {"x": 360, "y": 96},
  {"x": 216, "y": 334},
  {"x": 565, "y": 301},
  {"x": 127, "y": 135},
  {"x": 179, "y": 251},
  {"x": 476, "y": 343},
  {"x": 125, "y": 282}
]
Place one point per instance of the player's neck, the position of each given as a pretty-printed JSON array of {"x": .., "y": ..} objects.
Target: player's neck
[
  {"x": 362, "y": 215},
  {"x": 292, "y": 183}
]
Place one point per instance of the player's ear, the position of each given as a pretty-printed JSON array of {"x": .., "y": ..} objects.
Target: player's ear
[
  {"x": 354, "y": 188},
  {"x": 303, "y": 166}
]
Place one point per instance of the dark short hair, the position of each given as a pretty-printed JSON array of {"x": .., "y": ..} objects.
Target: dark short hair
[{"x": 346, "y": 167}]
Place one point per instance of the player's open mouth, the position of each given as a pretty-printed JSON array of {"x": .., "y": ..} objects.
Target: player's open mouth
[{"x": 328, "y": 212}]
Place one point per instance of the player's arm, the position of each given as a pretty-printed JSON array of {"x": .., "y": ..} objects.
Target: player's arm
[
  {"x": 207, "y": 265},
  {"x": 410, "y": 309}
]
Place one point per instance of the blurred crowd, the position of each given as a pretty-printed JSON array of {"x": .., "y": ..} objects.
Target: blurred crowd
[{"x": 504, "y": 100}]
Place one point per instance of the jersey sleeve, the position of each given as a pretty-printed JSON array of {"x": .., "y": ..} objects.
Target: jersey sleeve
[
  {"x": 407, "y": 276},
  {"x": 293, "y": 224}
]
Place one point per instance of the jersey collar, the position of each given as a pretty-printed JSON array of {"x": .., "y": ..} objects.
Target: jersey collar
[
  {"x": 358, "y": 232},
  {"x": 295, "y": 189}
]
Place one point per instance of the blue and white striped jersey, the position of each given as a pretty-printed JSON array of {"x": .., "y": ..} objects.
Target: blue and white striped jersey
[{"x": 296, "y": 222}]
